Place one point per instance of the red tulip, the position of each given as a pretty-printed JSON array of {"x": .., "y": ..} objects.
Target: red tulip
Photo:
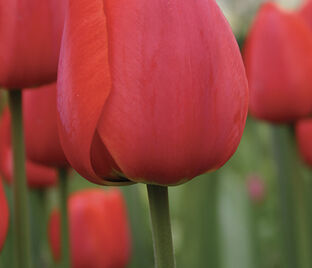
[
  {"x": 154, "y": 91},
  {"x": 304, "y": 139},
  {"x": 30, "y": 33},
  {"x": 306, "y": 12},
  {"x": 4, "y": 216},
  {"x": 41, "y": 136},
  {"x": 256, "y": 189},
  {"x": 278, "y": 58},
  {"x": 98, "y": 227},
  {"x": 37, "y": 175}
]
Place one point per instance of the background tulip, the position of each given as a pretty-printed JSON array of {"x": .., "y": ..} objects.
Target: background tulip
[
  {"x": 4, "y": 216},
  {"x": 154, "y": 91},
  {"x": 256, "y": 189},
  {"x": 99, "y": 231},
  {"x": 304, "y": 139},
  {"x": 41, "y": 135},
  {"x": 278, "y": 59},
  {"x": 30, "y": 31},
  {"x": 37, "y": 175}
]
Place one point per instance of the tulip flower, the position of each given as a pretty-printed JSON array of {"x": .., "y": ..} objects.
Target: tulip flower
[
  {"x": 99, "y": 230},
  {"x": 38, "y": 176},
  {"x": 41, "y": 135},
  {"x": 278, "y": 59},
  {"x": 151, "y": 91},
  {"x": 304, "y": 139},
  {"x": 256, "y": 189},
  {"x": 4, "y": 216},
  {"x": 31, "y": 32}
]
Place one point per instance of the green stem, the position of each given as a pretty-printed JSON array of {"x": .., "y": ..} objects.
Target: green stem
[
  {"x": 161, "y": 227},
  {"x": 286, "y": 198},
  {"x": 20, "y": 193},
  {"x": 63, "y": 194},
  {"x": 142, "y": 242},
  {"x": 39, "y": 223},
  {"x": 303, "y": 227},
  {"x": 211, "y": 224},
  {"x": 294, "y": 211},
  {"x": 254, "y": 213}
]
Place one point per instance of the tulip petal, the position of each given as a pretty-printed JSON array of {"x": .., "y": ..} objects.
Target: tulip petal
[
  {"x": 81, "y": 93},
  {"x": 179, "y": 96},
  {"x": 306, "y": 12}
]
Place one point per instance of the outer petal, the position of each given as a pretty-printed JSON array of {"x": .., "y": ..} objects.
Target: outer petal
[
  {"x": 99, "y": 230},
  {"x": 38, "y": 176},
  {"x": 30, "y": 31},
  {"x": 4, "y": 216},
  {"x": 40, "y": 127},
  {"x": 179, "y": 98},
  {"x": 306, "y": 12},
  {"x": 278, "y": 58},
  {"x": 83, "y": 85},
  {"x": 304, "y": 139}
]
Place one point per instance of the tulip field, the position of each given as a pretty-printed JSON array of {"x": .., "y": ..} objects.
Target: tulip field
[{"x": 155, "y": 133}]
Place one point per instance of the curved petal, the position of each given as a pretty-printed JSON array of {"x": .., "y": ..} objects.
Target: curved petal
[
  {"x": 278, "y": 59},
  {"x": 4, "y": 223},
  {"x": 179, "y": 98},
  {"x": 84, "y": 83},
  {"x": 40, "y": 127},
  {"x": 38, "y": 176}
]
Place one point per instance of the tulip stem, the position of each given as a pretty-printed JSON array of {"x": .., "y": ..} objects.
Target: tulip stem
[
  {"x": 39, "y": 223},
  {"x": 20, "y": 194},
  {"x": 63, "y": 193},
  {"x": 284, "y": 157},
  {"x": 161, "y": 227}
]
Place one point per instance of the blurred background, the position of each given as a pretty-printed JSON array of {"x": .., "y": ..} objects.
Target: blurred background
[{"x": 230, "y": 218}]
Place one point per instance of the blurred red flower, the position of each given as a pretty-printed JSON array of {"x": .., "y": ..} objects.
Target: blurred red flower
[
  {"x": 40, "y": 127},
  {"x": 30, "y": 33},
  {"x": 4, "y": 216},
  {"x": 278, "y": 59},
  {"x": 255, "y": 187},
  {"x": 304, "y": 139},
  {"x": 98, "y": 227},
  {"x": 37, "y": 175}
]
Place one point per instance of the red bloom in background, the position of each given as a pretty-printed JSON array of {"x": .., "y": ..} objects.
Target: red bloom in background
[
  {"x": 37, "y": 175},
  {"x": 278, "y": 58},
  {"x": 154, "y": 91},
  {"x": 304, "y": 139},
  {"x": 4, "y": 216},
  {"x": 256, "y": 188},
  {"x": 40, "y": 127},
  {"x": 30, "y": 33},
  {"x": 98, "y": 227}
]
